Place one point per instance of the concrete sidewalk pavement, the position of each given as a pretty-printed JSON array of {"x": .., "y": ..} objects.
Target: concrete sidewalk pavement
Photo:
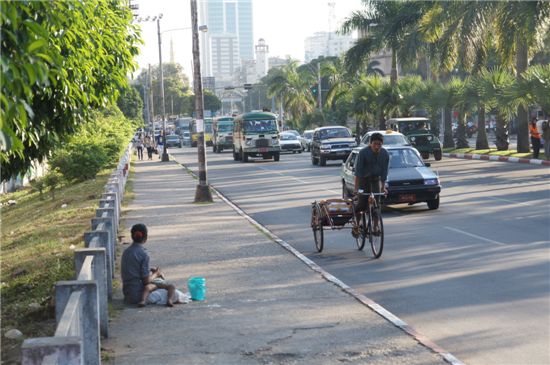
[{"x": 264, "y": 306}]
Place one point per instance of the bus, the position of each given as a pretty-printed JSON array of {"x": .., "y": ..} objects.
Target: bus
[
  {"x": 256, "y": 134},
  {"x": 222, "y": 137},
  {"x": 207, "y": 132}
]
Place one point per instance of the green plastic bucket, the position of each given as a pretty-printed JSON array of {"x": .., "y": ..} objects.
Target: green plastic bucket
[{"x": 197, "y": 288}]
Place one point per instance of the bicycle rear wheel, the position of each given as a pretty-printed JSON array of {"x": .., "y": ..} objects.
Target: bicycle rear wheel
[
  {"x": 317, "y": 227},
  {"x": 376, "y": 232},
  {"x": 362, "y": 238}
]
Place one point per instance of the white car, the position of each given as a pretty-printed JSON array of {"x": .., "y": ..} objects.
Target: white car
[
  {"x": 289, "y": 142},
  {"x": 302, "y": 140},
  {"x": 308, "y": 136},
  {"x": 391, "y": 138}
]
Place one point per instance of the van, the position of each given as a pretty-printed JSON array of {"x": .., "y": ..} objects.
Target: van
[
  {"x": 222, "y": 135},
  {"x": 256, "y": 134}
]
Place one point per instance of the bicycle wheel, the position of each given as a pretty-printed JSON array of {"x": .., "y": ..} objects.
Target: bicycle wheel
[
  {"x": 317, "y": 227},
  {"x": 376, "y": 232},
  {"x": 362, "y": 238}
]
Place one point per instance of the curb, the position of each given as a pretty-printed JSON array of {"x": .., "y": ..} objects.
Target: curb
[
  {"x": 469, "y": 156},
  {"x": 384, "y": 313}
]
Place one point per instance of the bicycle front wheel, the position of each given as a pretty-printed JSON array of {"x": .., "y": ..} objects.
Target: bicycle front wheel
[
  {"x": 317, "y": 227},
  {"x": 376, "y": 231},
  {"x": 362, "y": 237}
]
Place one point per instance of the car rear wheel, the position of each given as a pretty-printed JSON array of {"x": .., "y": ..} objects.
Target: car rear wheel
[
  {"x": 244, "y": 156},
  {"x": 322, "y": 161},
  {"x": 276, "y": 157},
  {"x": 425, "y": 155},
  {"x": 235, "y": 156},
  {"x": 438, "y": 155},
  {"x": 433, "y": 204},
  {"x": 313, "y": 160}
]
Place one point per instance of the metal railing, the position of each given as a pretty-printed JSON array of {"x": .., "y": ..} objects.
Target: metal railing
[{"x": 81, "y": 305}]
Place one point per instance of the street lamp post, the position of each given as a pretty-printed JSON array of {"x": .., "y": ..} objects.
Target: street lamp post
[
  {"x": 165, "y": 149},
  {"x": 202, "y": 193}
]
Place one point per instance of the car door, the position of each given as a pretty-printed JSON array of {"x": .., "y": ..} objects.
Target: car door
[{"x": 348, "y": 170}]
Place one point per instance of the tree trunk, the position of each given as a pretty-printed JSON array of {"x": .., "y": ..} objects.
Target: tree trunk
[
  {"x": 502, "y": 141},
  {"x": 482, "y": 143},
  {"x": 461, "y": 141},
  {"x": 448, "y": 141},
  {"x": 393, "y": 74},
  {"x": 523, "y": 116}
]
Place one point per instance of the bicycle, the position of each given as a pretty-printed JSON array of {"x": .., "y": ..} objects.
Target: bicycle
[{"x": 374, "y": 231}]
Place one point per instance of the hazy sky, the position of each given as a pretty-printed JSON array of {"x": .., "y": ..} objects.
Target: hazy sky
[{"x": 284, "y": 24}]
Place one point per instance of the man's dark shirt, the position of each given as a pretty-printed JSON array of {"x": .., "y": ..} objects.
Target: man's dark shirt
[
  {"x": 372, "y": 165},
  {"x": 134, "y": 266}
]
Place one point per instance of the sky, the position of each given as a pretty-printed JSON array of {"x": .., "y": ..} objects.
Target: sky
[{"x": 284, "y": 24}]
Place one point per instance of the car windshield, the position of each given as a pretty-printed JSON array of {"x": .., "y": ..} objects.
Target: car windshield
[
  {"x": 391, "y": 140},
  {"x": 402, "y": 158},
  {"x": 308, "y": 135},
  {"x": 225, "y": 126},
  {"x": 293, "y": 132},
  {"x": 171, "y": 137},
  {"x": 288, "y": 137},
  {"x": 334, "y": 133},
  {"x": 260, "y": 126},
  {"x": 411, "y": 126}
]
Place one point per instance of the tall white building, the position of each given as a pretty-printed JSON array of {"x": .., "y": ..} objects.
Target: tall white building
[
  {"x": 262, "y": 49},
  {"x": 328, "y": 44}
]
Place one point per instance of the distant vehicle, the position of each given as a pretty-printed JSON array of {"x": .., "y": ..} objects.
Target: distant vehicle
[
  {"x": 173, "y": 140},
  {"x": 410, "y": 179},
  {"x": 256, "y": 134},
  {"x": 300, "y": 138},
  {"x": 308, "y": 136},
  {"x": 207, "y": 132},
  {"x": 222, "y": 137},
  {"x": 418, "y": 132},
  {"x": 186, "y": 138},
  {"x": 331, "y": 143},
  {"x": 290, "y": 142},
  {"x": 391, "y": 138}
]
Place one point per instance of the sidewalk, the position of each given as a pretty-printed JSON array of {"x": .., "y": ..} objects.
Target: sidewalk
[{"x": 264, "y": 305}]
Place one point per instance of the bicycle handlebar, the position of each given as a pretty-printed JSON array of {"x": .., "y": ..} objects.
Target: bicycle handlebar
[{"x": 361, "y": 192}]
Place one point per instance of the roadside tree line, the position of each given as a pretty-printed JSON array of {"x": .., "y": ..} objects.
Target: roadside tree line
[{"x": 466, "y": 57}]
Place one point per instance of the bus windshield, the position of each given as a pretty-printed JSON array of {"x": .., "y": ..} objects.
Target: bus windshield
[
  {"x": 226, "y": 126},
  {"x": 260, "y": 126}
]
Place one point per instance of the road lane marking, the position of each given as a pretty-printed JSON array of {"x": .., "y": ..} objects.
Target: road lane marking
[
  {"x": 293, "y": 178},
  {"x": 475, "y": 236},
  {"x": 509, "y": 201}
]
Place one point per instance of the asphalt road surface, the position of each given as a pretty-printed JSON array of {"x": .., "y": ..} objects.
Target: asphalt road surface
[{"x": 473, "y": 276}]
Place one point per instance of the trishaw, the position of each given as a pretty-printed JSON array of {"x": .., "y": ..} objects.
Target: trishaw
[{"x": 338, "y": 214}]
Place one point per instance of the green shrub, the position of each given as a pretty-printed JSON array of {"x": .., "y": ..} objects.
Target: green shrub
[
  {"x": 52, "y": 180},
  {"x": 80, "y": 160}
]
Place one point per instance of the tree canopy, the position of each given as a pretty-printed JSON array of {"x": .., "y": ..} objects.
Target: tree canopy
[{"x": 59, "y": 61}]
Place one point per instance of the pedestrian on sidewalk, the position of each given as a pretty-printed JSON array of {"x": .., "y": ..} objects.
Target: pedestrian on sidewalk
[
  {"x": 149, "y": 147},
  {"x": 546, "y": 137},
  {"x": 138, "y": 280},
  {"x": 139, "y": 148},
  {"x": 535, "y": 137}
]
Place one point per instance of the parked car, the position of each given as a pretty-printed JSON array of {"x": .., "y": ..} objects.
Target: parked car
[
  {"x": 391, "y": 138},
  {"x": 173, "y": 140},
  {"x": 417, "y": 130},
  {"x": 308, "y": 136},
  {"x": 331, "y": 143},
  {"x": 410, "y": 179},
  {"x": 289, "y": 142},
  {"x": 186, "y": 138},
  {"x": 303, "y": 142}
]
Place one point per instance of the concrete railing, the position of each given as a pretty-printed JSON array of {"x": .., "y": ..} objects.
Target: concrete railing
[{"x": 81, "y": 305}]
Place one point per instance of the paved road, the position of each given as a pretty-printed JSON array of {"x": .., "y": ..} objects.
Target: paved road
[{"x": 472, "y": 276}]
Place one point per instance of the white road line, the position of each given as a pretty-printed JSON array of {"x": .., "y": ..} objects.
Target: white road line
[
  {"x": 509, "y": 201},
  {"x": 294, "y": 178},
  {"x": 475, "y": 236}
]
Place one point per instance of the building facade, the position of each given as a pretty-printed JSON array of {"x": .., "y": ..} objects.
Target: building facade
[
  {"x": 328, "y": 44},
  {"x": 229, "y": 39}
]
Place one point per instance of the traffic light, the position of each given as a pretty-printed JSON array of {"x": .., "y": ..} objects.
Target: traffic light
[
  {"x": 247, "y": 86},
  {"x": 314, "y": 90}
]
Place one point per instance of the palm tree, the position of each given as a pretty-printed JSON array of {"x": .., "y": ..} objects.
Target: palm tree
[
  {"x": 521, "y": 28},
  {"x": 495, "y": 87},
  {"x": 534, "y": 88},
  {"x": 412, "y": 91},
  {"x": 340, "y": 82}
]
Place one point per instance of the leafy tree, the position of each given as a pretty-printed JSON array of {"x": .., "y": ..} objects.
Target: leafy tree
[
  {"x": 211, "y": 101},
  {"x": 59, "y": 61},
  {"x": 130, "y": 103}
]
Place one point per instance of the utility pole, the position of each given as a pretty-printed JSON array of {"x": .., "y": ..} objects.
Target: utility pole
[
  {"x": 151, "y": 106},
  {"x": 202, "y": 193},
  {"x": 319, "y": 97},
  {"x": 165, "y": 149}
]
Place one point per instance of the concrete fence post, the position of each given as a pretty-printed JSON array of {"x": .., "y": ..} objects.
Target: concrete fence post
[
  {"x": 56, "y": 350},
  {"x": 103, "y": 241},
  {"x": 114, "y": 188},
  {"x": 109, "y": 225},
  {"x": 99, "y": 270},
  {"x": 106, "y": 213},
  {"x": 89, "y": 315},
  {"x": 105, "y": 204}
]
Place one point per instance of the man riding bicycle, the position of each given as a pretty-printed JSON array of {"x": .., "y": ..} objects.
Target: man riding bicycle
[{"x": 371, "y": 172}]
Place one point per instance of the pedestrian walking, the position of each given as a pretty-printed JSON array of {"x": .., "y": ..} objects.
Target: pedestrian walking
[
  {"x": 535, "y": 137},
  {"x": 139, "y": 148},
  {"x": 546, "y": 137},
  {"x": 149, "y": 147}
]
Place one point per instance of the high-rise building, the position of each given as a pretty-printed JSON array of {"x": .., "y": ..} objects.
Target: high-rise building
[
  {"x": 328, "y": 44},
  {"x": 229, "y": 39},
  {"x": 262, "y": 49}
]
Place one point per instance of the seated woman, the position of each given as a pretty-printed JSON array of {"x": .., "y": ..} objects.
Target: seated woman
[{"x": 138, "y": 281}]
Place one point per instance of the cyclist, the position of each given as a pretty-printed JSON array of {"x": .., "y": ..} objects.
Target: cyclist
[{"x": 371, "y": 172}]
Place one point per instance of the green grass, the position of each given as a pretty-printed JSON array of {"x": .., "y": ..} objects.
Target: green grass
[
  {"x": 37, "y": 234},
  {"x": 494, "y": 152}
]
